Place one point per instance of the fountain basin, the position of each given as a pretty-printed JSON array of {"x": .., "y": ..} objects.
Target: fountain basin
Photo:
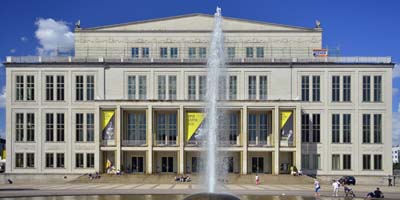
[{"x": 212, "y": 196}]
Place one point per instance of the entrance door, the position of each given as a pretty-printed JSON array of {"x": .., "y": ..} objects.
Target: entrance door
[
  {"x": 229, "y": 161},
  {"x": 137, "y": 164},
  {"x": 257, "y": 164},
  {"x": 167, "y": 164},
  {"x": 194, "y": 165}
]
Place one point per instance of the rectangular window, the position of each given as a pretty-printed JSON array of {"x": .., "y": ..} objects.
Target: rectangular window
[
  {"x": 222, "y": 88},
  {"x": 335, "y": 162},
  {"x": 366, "y": 88},
  {"x": 378, "y": 88},
  {"x": 192, "y": 87},
  {"x": 366, "y": 162},
  {"x": 30, "y": 127},
  {"x": 79, "y": 88},
  {"x": 142, "y": 87},
  {"x": 192, "y": 52},
  {"x": 258, "y": 128},
  {"x": 202, "y": 87},
  {"x": 136, "y": 127},
  {"x": 49, "y": 127},
  {"x": 90, "y": 127},
  {"x": 79, "y": 160},
  {"x": 347, "y": 162},
  {"x": 231, "y": 52},
  {"x": 263, "y": 87},
  {"x": 305, "y": 161},
  {"x": 49, "y": 160},
  {"x": 30, "y": 160},
  {"x": 135, "y": 52},
  {"x": 305, "y": 127},
  {"x": 49, "y": 88},
  {"x": 173, "y": 52},
  {"x": 316, "y": 128},
  {"x": 346, "y": 128},
  {"x": 60, "y": 88},
  {"x": 202, "y": 52},
  {"x": 145, "y": 52},
  {"x": 377, "y": 128},
  {"x": 90, "y": 160},
  {"x": 347, "y": 88},
  {"x": 131, "y": 87},
  {"x": 60, "y": 127},
  {"x": 249, "y": 52},
  {"x": 60, "y": 160},
  {"x": 335, "y": 88},
  {"x": 19, "y": 127},
  {"x": 233, "y": 127},
  {"x": 316, "y": 162},
  {"x": 90, "y": 88},
  {"x": 163, "y": 52},
  {"x": 161, "y": 87},
  {"x": 19, "y": 160},
  {"x": 79, "y": 127},
  {"x": 305, "y": 88},
  {"x": 232, "y": 87},
  {"x": 166, "y": 128},
  {"x": 19, "y": 86},
  {"x": 30, "y": 88},
  {"x": 316, "y": 87},
  {"x": 252, "y": 88},
  {"x": 378, "y": 162},
  {"x": 260, "y": 52},
  {"x": 172, "y": 87},
  {"x": 366, "y": 126},
  {"x": 335, "y": 128}
]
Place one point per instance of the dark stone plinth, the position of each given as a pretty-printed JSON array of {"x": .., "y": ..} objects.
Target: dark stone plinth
[{"x": 212, "y": 196}]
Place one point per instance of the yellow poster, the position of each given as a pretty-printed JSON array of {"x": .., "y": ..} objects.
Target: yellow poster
[
  {"x": 107, "y": 124},
  {"x": 285, "y": 115},
  {"x": 193, "y": 122},
  {"x": 107, "y": 115}
]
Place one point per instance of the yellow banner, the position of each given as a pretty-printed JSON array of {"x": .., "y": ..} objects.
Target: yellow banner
[
  {"x": 107, "y": 115},
  {"x": 193, "y": 122},
  {"x": 285, "y": 115}
]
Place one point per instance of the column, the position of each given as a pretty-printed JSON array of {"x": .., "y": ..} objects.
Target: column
[
  {"x": 118, "y": 134},
  {"x": 149, "y": 153},
  {"x": 244, "y": 141},
  {"x": 181, "y": 153},
  {"x": 276, "y": 143},
  {"x": 297, "y": 125}
]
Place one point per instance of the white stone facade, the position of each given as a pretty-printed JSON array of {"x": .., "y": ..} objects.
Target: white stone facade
[{"x": 358, "y": 144}]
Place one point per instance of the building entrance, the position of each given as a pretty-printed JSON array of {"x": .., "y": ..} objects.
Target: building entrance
[
  {"x": 257, "y": 165},
  {"x": 167, "y": 164},
  {"x": 137, "y": 165}
]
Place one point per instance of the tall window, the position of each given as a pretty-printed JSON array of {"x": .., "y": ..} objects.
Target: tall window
[
  {"x": 172, "y": 87},
  {"x": 135, "y": 52},
  {"x": 90, "y": 88},
  {"x": 366, "y": 88},
  {"x": 378, "y": 162},
  {"x": 316, "y": 162},
  {"x": 305, "y": 127},
  {"x": 166, "y": 128},
  {"x": 231, "y": 52},
  {"x": 305, "y": 161},
  {"x": 192, "y": 87},
  {"x": 202, "y": 52},
  {"x": 316, "y": 86},
  {"x": 60, "y": 160},
  {"x": 347, "y": 161},
  {"x": 49, "y": 160},
  {"x": 222, "y": 87},
  {"x": 305, "y": 88},
  {"x": 131, "y": 87},
  {"x": 19, "y": 160},
  {"x": 79, "y": 127},
  {"x": 366, "y": 162},
  {"x": 192, "y": 52},
  {"x": 60, "y": 127},
  {"x": 335, "y": 128},
  {"x": 142, "y": 87},
  {"x": 258, "y": 128},
  {"x": 316, "y": 128},
  {"x": 30, "y": 127},
  {"x": 260, "y": 52},
  {"x": 49, "y": 127},
  {"x": 249, "y": 52},
  {"x": 30, "y": 88},
  {"x": 377, "y": 88},
  {"x": 347, "y": 88},
  {"x": 174, "y": 52},
  {"x": 49, "y": 88},
  {"x": 145, "y": 52},
  {"x": 263, "y": 87},
  {"x": 90, "y": 160},
  {"x": 232, "y": 87},
  {"x": 19, "y": 127},
  {"x": 79, "y": 160},
  {"x": 366, "y": 127},
  {"x": 377, "y": 128},
  {"x": 136, "y": 128},
  {"x": 252, "y": 88},
  {"x": 79, "y": 88},
  {"x": 60, "y": 88},
  {"x": 19, "y": 86},
  {"x": 346, "y": 128},
  {"x": 30, "y": 160},
  {"x": 163, "y": 52},
  {"x": 202, "y": 87},
  {"x": 162, "y": 84},
  {"x": 335, "y": 162},
  {"x": 233, "y": 127},
  {"x": 90, "y": 127},
  {"x": 335, "y": 88}
]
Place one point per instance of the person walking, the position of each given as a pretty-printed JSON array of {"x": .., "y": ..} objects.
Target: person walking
[
  {"x": 335, "y": 186},
  {"x": 257, "y": 180},
  {"x": 317, "y": 187},
  {"x": 390, "y": 180}
]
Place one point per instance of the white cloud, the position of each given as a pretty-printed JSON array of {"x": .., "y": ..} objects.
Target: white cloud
[
  {"x": 396, "y": 128},
  {"x": 13, "y": 50},
  {"x": 395, "y": 91},
  {"x": 396, "y": 71},
  {"x": 24, "y": 39},
  {"x": 3, "y": 97},
  {"x": 53, "y": 35}
]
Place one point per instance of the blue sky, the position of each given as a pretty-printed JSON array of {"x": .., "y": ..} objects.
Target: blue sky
[{"x": 358, "y": 27}]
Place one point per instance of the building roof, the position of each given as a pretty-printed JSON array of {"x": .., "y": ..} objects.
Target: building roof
[{"x": 196, "y": 22}]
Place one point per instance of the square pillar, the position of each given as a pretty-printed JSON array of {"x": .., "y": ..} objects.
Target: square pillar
[
  {"x": 244, "y": 141},
  {"x": 118, "y": 135},
  {"x": 276, "y": 133},
  {"x": 297, "y": 125},
  {"x": 181, "y": 133},
  {"x": 149, "y": 137}
]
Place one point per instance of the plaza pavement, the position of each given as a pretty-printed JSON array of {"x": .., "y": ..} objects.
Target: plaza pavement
[{"x": 20, "y": 190}]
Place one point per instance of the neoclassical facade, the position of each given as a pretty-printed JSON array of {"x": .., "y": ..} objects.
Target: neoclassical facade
[{"x": 132, "y": 96}]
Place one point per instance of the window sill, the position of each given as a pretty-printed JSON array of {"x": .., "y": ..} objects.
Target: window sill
[{"x": 25, "y": 142}]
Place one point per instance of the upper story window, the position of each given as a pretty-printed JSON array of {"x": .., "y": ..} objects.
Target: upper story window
[
  {"x": 84, "y": 88},
  {"x": 163, "y": 52},
  {"x": 252, "y": 87},
  {"x": 202, "y": 52},
  {"x": 84, "y": 126},
  {"x": 57, "y": 128},
  {"x": 376, "y": 90},
  {"x": 192, "y": 87},
  {"x": 315, "y": 89},
  {"x": 137, "y": 87},
  {"x": 366, "y": 83},
  {"x": 145, "y": 52},
  {"x": 232, "y": 87},
  {"x": 25, "y": 85},
  {"x": 249, "y": 52},
  {"x": 25, "y": 126},
  {"x": 345, "y": 86},
  {"x": 202, "y": 87},
  {"x": 55, "y": 90},
  {"x": 310, "y": 127},
  {"x": 335, "y": 88},
  {"x": 260, "y": 52},
  {"x": 192, "y": 52},
  {"x": 174, "y": 52},
  {"x": 166, "y": 128},
  {"x": 231, "y": 52},
  {"x": 166, "y": 87},
  {"x": 305, "y": 88},
  {"x": 259, "y": 90},
  {"x": 367, "y": 128},
  {"x": 135, "y": 52},
  {"x": 263, "y": 87}
]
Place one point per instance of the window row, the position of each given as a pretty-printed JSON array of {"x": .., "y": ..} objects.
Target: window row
[{"x": 347, "y": 162}]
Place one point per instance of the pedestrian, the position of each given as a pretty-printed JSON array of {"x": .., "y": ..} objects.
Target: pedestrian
[
  {"x": 257, "y": 180},
  {"x": 317, "y": 187},
  {"x": 390, "y": 181},
  {"x": 335, "y": 186}
]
